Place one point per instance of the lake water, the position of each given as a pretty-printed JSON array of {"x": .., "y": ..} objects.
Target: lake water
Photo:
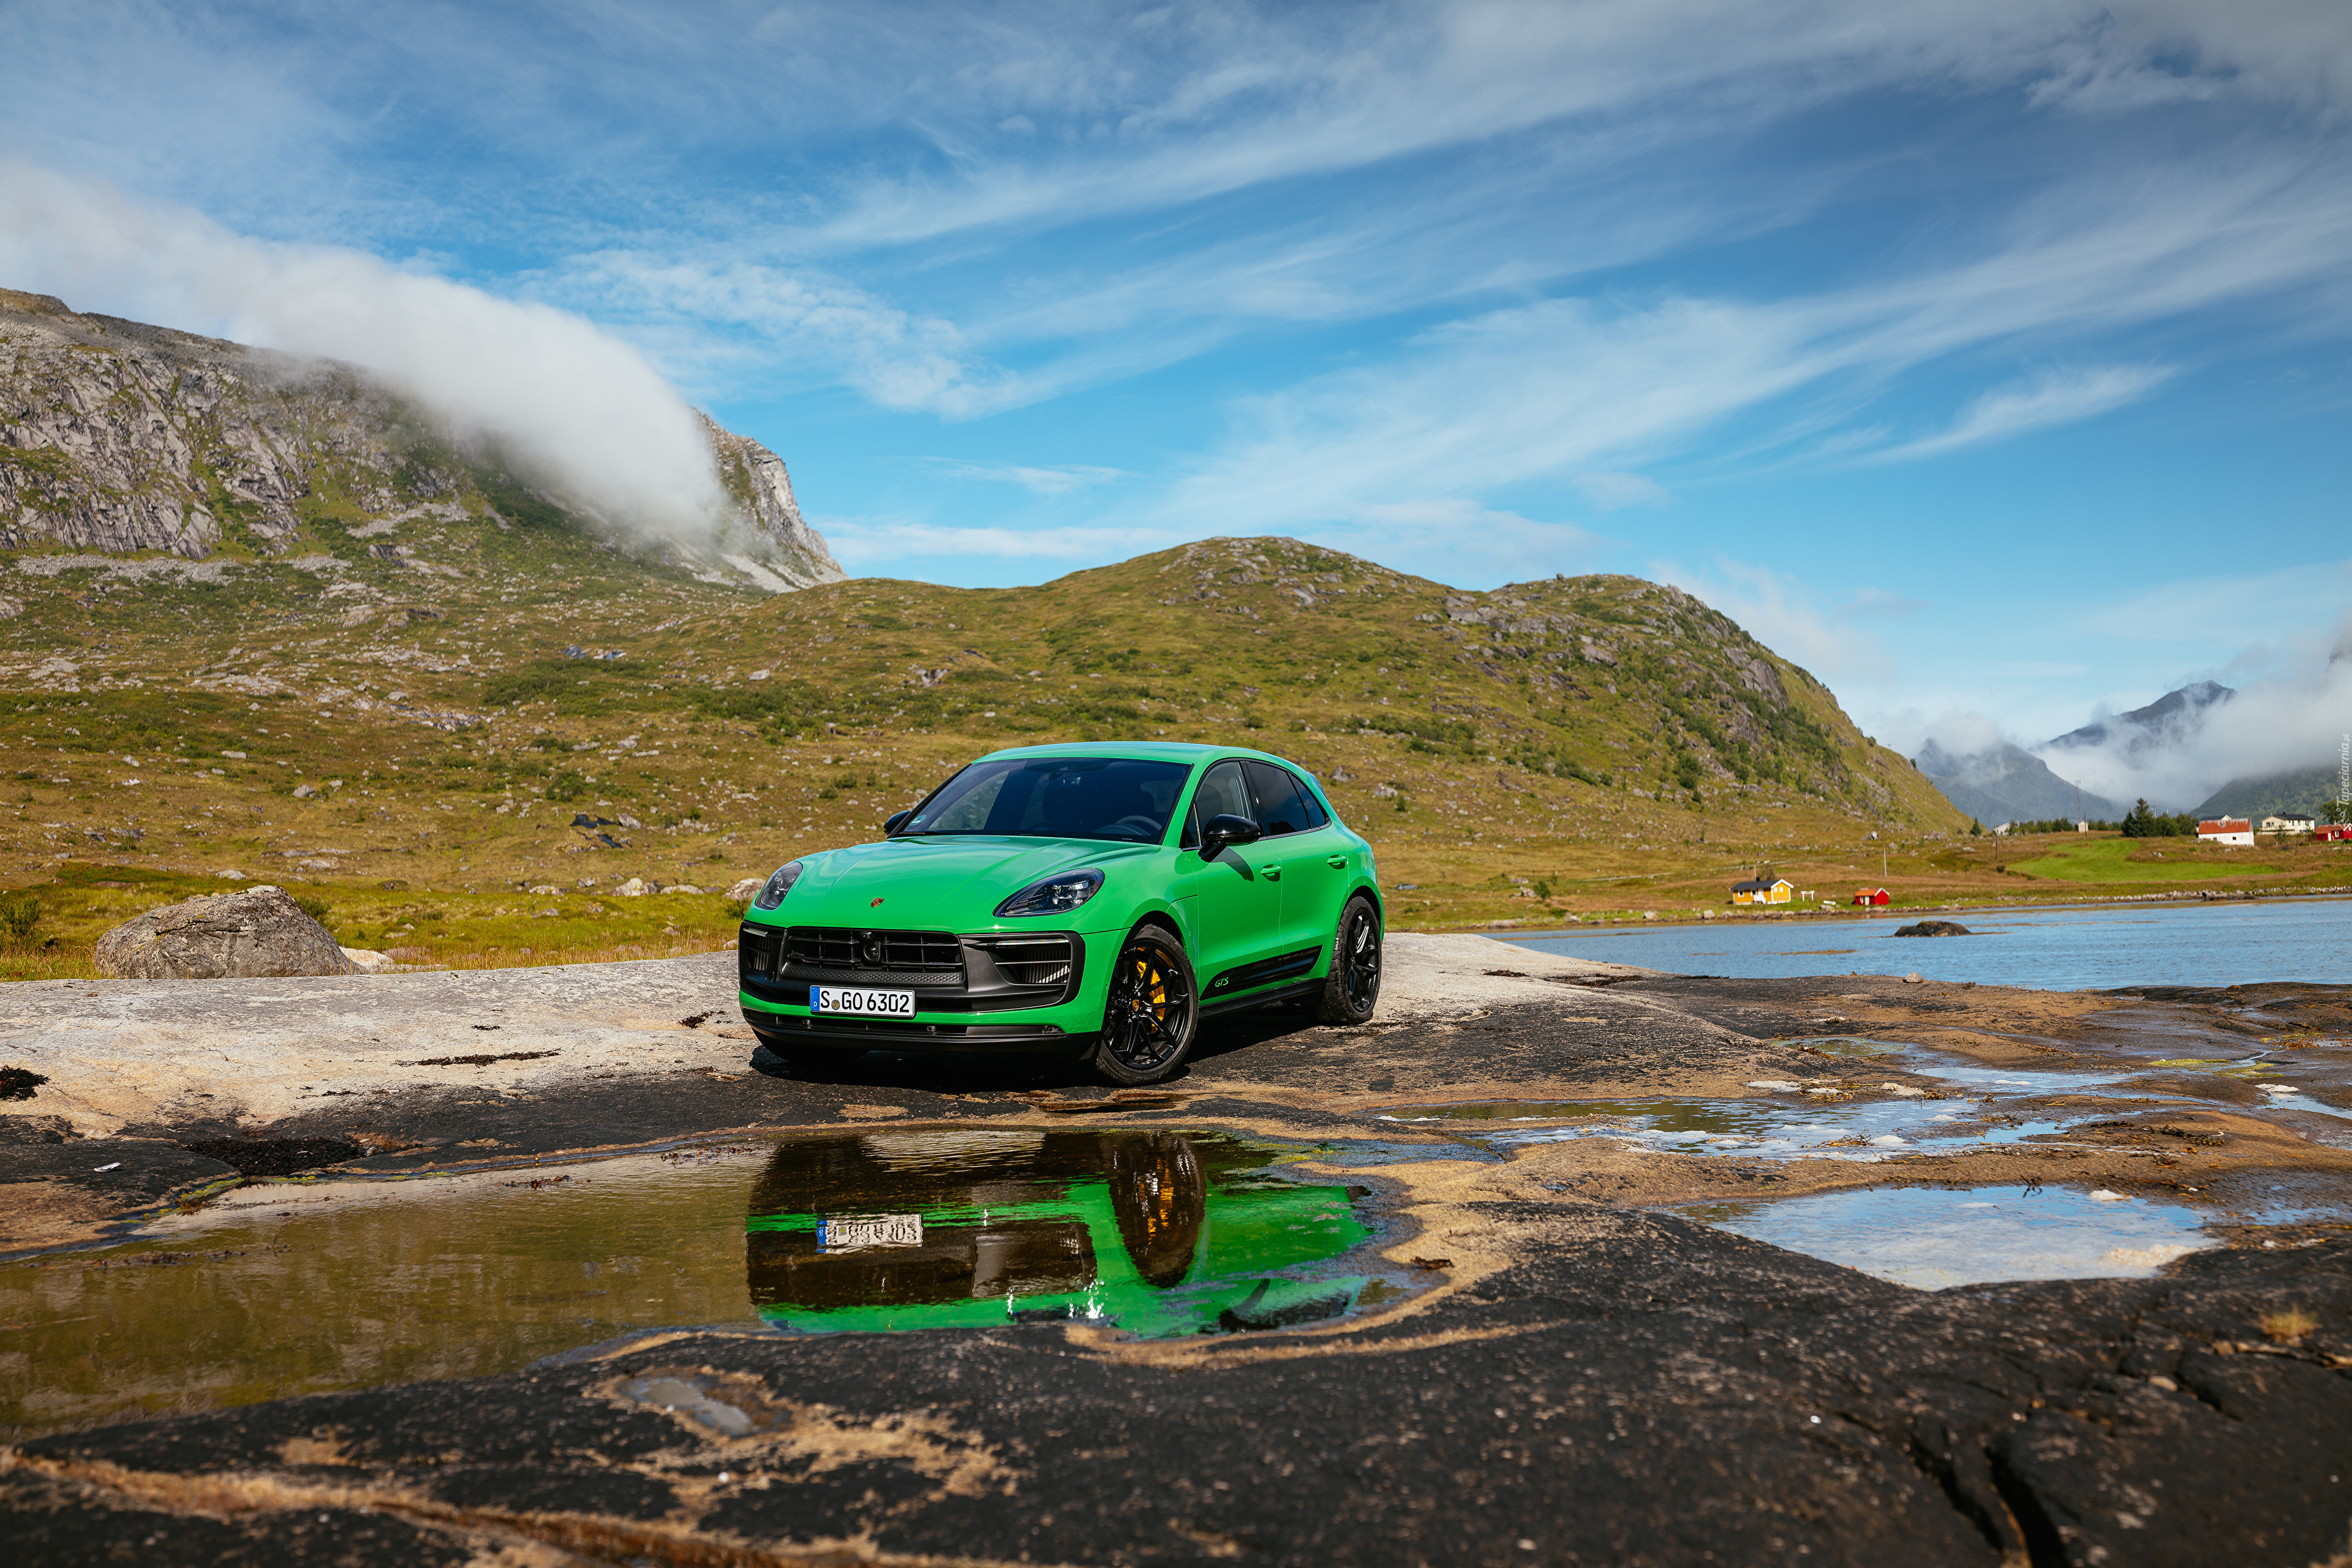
[{"x": 2066, "y": 949}]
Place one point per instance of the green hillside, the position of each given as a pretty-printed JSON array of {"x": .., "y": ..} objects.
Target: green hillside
[
  {"x": 1588, "y": 692},
  {"x": 2310, "y": 790}
]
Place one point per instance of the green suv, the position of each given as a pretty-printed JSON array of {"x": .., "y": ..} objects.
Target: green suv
[{"x": 1088, "y": 900}]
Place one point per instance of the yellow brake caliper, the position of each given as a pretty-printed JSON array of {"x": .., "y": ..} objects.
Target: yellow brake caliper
[{"x": 1152, "y": 994}]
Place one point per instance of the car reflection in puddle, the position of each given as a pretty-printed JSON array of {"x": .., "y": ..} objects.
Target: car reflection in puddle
[{"x": 1155, "y": 1232}]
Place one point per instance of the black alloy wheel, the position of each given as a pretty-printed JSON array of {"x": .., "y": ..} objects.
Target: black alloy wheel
[
  {"x": 1153, "y": 1011},
  {"x": 1353, "y": 988}
]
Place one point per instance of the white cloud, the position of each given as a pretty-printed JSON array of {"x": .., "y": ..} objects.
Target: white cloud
[
  {"x": 1566, "y": 387},
  {"x": 882, "y": 546},
  {"x": 1046, "y": 481},
  {"x": 1878, "y": 604},
  {"x": 1459, "y": 541},
  {"x": 1231, "y": 97},
  {"x": 2212, "y": 617},
  {"x": 572, "y": 405},
  {"x": 1962, "y": 732},
  {"x": 1780, "y": 612},
  {"x": 2054, "y": 397},
  {"x": 2292, "y": 720},
  {"x": 1611, "y": 491},
  {"x": 745, "y": 322}
]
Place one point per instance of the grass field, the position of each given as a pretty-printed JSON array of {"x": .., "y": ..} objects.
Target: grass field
[
  {"x": 2118, "y": 862},
  {"x": 448, "y": 930}
]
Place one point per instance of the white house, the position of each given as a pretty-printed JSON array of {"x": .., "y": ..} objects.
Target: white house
[
  {"x": 2229, "y": 832},
  {"x": 2288, "y": 822}
]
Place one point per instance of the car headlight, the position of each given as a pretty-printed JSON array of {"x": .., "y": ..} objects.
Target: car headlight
[
  {"x": 777, "y": 886},
  {"x": 1057, "y": 894}
]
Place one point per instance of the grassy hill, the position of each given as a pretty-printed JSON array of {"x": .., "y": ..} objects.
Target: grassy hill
[
  {"x": 2312, "y": 789},
  {"x": 417, "y": 741}
]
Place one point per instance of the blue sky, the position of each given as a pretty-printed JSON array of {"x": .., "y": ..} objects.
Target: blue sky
[{"x": 1989, "y": 359}]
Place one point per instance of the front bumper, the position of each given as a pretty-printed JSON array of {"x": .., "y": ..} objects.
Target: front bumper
[
  {"x": 783, "y": 1032},
  {"x": 974, "y": 993}
]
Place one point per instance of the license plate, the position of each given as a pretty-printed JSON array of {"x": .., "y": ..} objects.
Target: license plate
[
  {"x": 861, "y": 1004},
  {"x": 855, "y": 1232}
]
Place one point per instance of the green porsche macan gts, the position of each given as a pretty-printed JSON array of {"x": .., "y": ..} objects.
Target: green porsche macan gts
[{"x": 1090, "y": 900}]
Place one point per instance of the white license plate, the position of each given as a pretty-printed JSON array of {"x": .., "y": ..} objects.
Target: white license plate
[
  {"x": 861, "y": 1004},
  {"x": 855, "y": 1232}
]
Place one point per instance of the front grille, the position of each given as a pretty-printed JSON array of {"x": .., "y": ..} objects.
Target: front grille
[
  {"x": 891, "y": 979},
  {"x": 879, "y": 952}
]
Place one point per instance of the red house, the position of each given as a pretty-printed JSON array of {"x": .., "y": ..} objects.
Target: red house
[
  {"x": 1872, "y": 896},
  {"x": 2333, "y": 833}
]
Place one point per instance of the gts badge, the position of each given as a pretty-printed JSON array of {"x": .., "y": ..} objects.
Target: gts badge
[{"x": 875, "y": 905}]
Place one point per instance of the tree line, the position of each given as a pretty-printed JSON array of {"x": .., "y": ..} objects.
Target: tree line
[{"x": 2142, "y": 822}]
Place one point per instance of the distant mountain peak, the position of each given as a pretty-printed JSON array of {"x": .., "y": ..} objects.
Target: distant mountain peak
[
  {"x": 2006, "y": 783},
  {"x": 2171, "y": 718}
]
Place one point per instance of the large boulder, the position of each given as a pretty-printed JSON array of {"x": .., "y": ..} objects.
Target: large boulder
[
  {"x": 1934, "y": 928},
  {"x": 222, "y": 936}
]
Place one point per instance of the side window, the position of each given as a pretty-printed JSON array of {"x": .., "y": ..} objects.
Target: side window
[
  {"x": 1279, "y": 809},
  {"x": 1316, "y": 815},
  {"x": 1222, "y": 793}
]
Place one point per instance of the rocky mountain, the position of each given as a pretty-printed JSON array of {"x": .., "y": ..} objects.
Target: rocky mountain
[
  {"x": 2008, "y": 783},
  {"x": 122, "y": 437},
  {"x": 2171, "y": 719}
]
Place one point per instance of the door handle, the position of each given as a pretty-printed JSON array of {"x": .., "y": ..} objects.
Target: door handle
[
  {"x": 1271, "y": 873},
  {"x": 1337, "y": 862}
]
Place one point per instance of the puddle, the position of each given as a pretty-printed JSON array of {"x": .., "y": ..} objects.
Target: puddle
[
  {"x": 1767, "y": 1129},
  {"x": 2003, "y": 1082},
  {"x": 2265, "y": 1074},
  {"x": 310, "y": 1287},
  {"x": 1155, "y": 1232},
  {"x": 1931, "y": 1237},
  {"x": 1850, "y": 1045}
]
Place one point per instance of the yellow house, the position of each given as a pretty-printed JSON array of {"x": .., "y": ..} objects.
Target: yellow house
[{"x": 1777, "y": 891}]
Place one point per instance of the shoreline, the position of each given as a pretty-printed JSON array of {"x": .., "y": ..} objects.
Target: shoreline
[{"x": 1881, "y": 911}]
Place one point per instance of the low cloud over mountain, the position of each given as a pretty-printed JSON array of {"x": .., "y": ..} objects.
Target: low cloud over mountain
[{"x": 2202, "y": 747}]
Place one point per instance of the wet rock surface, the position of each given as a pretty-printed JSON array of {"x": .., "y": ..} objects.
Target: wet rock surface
[
  {"x": 1589, "y": 1380},
  {"x": 256, "y": 932},
  {"x": 1626, "y": 1388},
  {"x": 1934, "y": 928}
]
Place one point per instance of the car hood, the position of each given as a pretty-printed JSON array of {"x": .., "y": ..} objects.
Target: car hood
[{"x": 944, "y": 883}]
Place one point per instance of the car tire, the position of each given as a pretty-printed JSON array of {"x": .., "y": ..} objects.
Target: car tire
[
  {"x": 1152, "y": 1013},
  {"x": 1352, "y": 989}
]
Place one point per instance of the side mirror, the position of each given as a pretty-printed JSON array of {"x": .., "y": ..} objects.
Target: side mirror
[
  {"x": 891, "y": 823},
  {"x": 1220, "y": 831}
]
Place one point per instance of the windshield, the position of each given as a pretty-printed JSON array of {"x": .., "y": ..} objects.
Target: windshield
[{"x": 1057, "y": 797}]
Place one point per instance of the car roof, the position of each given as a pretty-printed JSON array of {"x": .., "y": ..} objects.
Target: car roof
[{"x": 1186, "y": 751}]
